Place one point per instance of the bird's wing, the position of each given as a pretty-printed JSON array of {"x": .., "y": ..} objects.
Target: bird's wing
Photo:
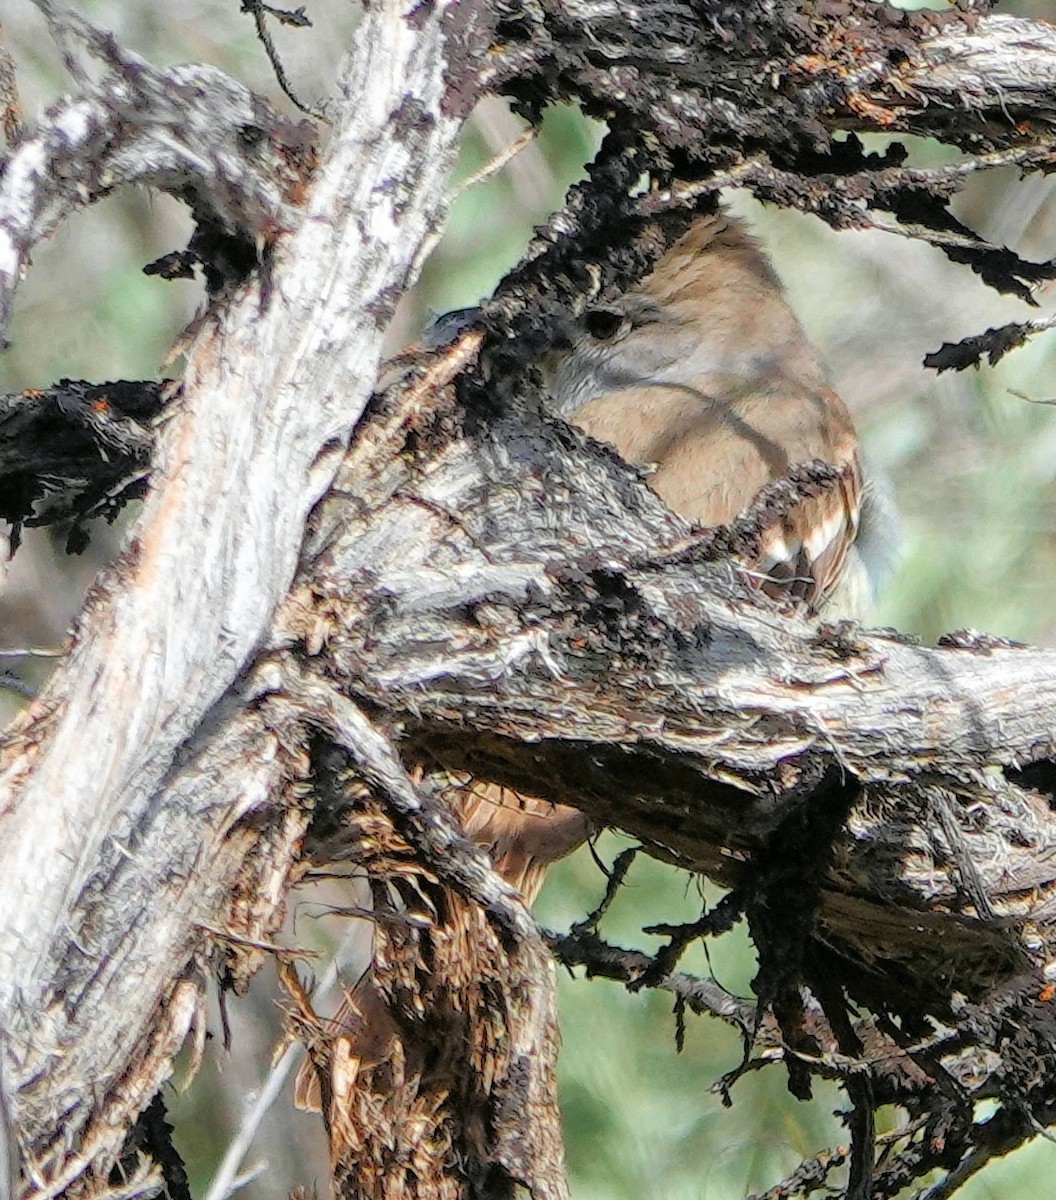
[
  {"x": 711, "y": 460},
  {"x": 523, "y": 834},
  {"x": 804, "y": 555}
]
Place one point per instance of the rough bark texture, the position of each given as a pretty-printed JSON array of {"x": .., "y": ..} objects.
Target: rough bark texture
[
  {"x": 99, "y": 812},
  {"x": 297, "y": 637}
]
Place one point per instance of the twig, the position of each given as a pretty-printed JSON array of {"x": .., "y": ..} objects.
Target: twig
[
  {"x": 226, "y": 1180},
  {"x": 810, "y": 1176},
  {"x": 581, "y": 947},
  {"x": 992, "y": 345},
  {"x": 614, "y": 881},
  {"x": 20, "y": 687},
  {"x": 494, "y": 165},
  {"x": 712, "y": 923},
  {"x": 297, "y": 18}
]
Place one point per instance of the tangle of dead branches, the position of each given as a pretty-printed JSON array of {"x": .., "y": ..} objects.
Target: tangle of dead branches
[{"x": 442, "y": 577}]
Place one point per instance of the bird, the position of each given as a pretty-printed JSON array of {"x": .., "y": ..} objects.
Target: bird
[{"x": 702, "y": 377}]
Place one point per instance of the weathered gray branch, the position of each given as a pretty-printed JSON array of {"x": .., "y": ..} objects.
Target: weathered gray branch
[
  {"x": 515, "y": 604},
  {"x": 553, "y": 627},
  {"x": 96, "y": 775},
  {"x": 185, "y": 130}
]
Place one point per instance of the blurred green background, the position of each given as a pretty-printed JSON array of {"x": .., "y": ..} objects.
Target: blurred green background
[{"x": 972, "y": 461}]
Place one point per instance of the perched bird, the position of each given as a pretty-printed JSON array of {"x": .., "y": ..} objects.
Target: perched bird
[{"x": 702, "y": 376}]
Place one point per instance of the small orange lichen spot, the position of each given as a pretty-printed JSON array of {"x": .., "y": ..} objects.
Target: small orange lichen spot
[
  {"x": 866, "y": 108},
  {"x": 32, "y": 393},
  {"x": 811, "y": 63},
  {"x": 1047, "y": 993},
  {"x": 100, "y": 404}
]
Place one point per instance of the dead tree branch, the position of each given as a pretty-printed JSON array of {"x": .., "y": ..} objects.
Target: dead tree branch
[{"x": 277, "y": 376}]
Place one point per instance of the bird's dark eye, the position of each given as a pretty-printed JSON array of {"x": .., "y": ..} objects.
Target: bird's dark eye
[{"x": 603, "y": 324}]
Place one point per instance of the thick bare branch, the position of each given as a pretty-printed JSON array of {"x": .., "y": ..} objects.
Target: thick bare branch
[
  {"x": 189, "y": 130},
  {"x": 760, "y": 95},
  {"x": 490, "y": 626},
  {"x": 75, "y": 451},
  {"x": 276, "y": 378},
  {"x": 736, "y": 743}
]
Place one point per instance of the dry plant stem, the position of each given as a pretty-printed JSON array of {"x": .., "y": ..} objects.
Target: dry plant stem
[
  {"x": 104, "y": 777},
  {"x": 227, "y": 1179},
  {"x": 259, "y": 13}
]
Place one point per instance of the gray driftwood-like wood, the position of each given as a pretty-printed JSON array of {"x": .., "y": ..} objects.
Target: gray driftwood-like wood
[
  {"x": 110, "y": 825},
  {"x": 322, "y": 602}
]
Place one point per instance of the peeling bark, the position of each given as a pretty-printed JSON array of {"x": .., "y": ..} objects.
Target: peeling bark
[{"x": 126, "y": 786}]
